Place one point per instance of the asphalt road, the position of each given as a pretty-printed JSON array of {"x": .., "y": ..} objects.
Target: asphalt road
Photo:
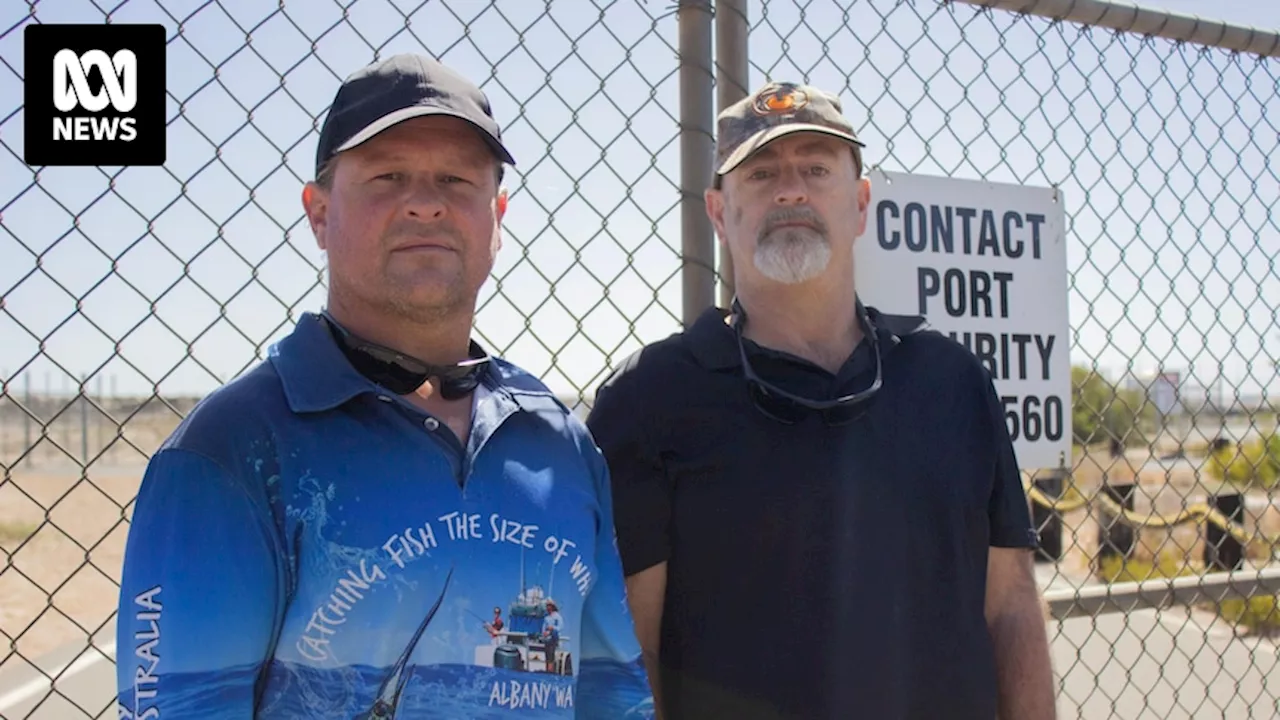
[
  {"x": 1146, "y": 666},
  {"x": 1162, "y": 666},
  {"x": 1171, "y": 664},
  {"x": 85, "y": 681}
]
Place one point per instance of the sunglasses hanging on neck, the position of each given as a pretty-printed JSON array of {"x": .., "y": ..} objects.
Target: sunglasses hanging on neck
[
  {"x": 789, "y": 408},
  {"x": 402, "y": 374}
]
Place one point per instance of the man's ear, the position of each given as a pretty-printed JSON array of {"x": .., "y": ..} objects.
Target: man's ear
[
  {"x": 864, "y": 203},
  {"x": 315, "y": 202},
  {"x": 500, "y": 211},
  {"x": 714, "y": 200},
  {"x": 501, "y": 203}
]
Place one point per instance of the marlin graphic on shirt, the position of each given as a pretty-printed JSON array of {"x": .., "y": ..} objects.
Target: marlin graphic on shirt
[{"x": 384, "y": 706}]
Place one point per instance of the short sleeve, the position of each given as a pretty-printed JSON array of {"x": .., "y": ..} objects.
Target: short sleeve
[
  {"x": 612, "y": 681},
  {"x": 1007, "y": 509},
  {"x": 641, "y": 488}
]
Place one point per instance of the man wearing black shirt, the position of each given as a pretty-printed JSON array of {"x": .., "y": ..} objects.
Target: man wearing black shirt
[{"x": 818, "y": 505}]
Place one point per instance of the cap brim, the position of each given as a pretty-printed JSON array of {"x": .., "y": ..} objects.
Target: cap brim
[
  {"x": 399, "y": 116},
  {"x": 754, "y": 143}
]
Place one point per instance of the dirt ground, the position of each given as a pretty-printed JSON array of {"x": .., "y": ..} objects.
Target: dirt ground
[
  {"x": 65, "y": 497},
  {"x": 1161, "y": 488},
  {"x": 61, "y": 573}
]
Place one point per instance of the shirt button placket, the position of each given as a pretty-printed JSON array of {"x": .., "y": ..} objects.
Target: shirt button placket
[{"x": 431, "y": 424}]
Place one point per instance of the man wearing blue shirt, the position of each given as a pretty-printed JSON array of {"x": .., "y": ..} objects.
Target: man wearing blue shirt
[{"x": 319, "y": 536}]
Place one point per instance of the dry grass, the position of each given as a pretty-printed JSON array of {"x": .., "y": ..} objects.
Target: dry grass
[{"x": 12, "y": 533}]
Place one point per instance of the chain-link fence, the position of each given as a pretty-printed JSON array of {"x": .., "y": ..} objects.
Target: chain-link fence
[{"x": 127, "y": 294}]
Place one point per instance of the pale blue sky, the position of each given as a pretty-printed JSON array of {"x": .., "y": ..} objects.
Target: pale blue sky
[{"x": 1169, "y": 144}]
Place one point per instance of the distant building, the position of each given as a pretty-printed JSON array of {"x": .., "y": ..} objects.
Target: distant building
[
  {"x": 1164, "y": 392},
  {"x": 1163, "y": 389}
]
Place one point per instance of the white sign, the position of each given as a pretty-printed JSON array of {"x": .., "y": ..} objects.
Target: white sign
[{"x": 986, "y": 264}]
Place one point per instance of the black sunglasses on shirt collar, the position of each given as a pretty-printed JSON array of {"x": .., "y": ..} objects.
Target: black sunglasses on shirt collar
[
  {"x": 402, "y": 374},
  {"x": 789, "y": 408}
]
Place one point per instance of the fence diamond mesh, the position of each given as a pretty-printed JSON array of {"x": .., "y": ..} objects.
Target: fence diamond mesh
[{"x": 128, "y": 294}]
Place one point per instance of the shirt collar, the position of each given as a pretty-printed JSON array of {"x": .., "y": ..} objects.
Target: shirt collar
[
  {"x": 711, "y": 339},
  {"x": 316, "y": 376}
]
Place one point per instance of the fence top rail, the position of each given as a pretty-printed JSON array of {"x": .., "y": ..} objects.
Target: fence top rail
[
  {"x": 1125, "y": 597},
  {"x": 1128, "y": 17}
]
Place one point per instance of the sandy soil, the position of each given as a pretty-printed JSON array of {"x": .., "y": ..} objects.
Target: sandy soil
[
  {"x": 65, "y": 499},
  {"x": 62, "y": 532},
  {"x": 1163, "y": 488}
]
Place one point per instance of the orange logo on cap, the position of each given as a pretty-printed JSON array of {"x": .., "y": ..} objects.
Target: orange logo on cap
[{"x": 784, "y": 98}]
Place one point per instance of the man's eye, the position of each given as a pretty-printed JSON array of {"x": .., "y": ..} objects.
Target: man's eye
[{"x": 819, "y": 170}]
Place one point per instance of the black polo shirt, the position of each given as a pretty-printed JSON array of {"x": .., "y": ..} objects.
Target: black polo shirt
[{"x": 815, "y": 569}]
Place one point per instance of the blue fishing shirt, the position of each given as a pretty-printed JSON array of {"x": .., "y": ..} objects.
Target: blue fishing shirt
[{"x": 307, "y": 545}]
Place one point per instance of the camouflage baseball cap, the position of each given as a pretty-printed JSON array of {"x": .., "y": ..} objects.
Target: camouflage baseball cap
[{"x": 777, "y": 109}]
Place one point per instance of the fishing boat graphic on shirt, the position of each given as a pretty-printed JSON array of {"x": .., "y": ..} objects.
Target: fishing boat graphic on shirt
[{"x": 532, "y": 638}]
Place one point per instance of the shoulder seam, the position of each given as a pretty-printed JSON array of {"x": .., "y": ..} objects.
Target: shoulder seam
[{"x": 168, "y": 449}]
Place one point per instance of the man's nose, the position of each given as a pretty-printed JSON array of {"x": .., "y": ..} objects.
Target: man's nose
[
  {"x": 424, "y": 201},
  {"x": 791, "y": 189}
]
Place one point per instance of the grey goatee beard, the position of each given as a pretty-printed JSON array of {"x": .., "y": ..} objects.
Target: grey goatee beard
[{"x": 792, "y": 254}]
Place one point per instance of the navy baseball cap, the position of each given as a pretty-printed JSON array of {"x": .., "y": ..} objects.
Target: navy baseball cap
[{"x": 396, "y": 89}]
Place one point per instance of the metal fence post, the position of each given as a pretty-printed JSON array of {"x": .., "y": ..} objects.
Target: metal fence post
[
  {"x": 26, "y": 416},
  {"x": 697, "y": 156},
  {"x": 83, "y": 399},
  {"x": 733, "y": 72}
]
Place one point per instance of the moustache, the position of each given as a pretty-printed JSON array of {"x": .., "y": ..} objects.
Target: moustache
[
  {"x": 420, "y": 231},
  {"x": 793, "y": 215}
]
